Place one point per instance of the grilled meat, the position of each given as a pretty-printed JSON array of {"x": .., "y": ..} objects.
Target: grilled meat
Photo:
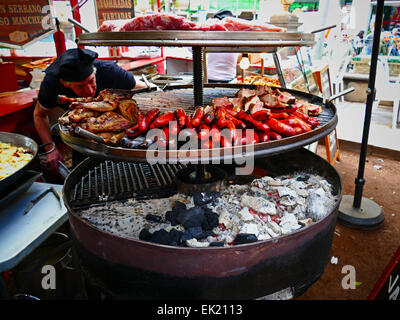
[
  {"x": 101, "y": 106},
  {"x": 108, "y": 121},
  {"x": 129, "y": 110}
]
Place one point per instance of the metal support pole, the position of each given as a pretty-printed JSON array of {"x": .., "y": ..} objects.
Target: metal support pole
[
  {"x": 279, "y": 69},
  {"x": 356, "y": 211},
  {"x": 370, "y": 99},
  {"x": 198, "y": 75}
]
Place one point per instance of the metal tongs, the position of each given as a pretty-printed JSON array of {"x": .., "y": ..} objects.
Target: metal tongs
[
  {"x": 41, "y": 196},
  {"x": 338, "y": 95},
  {"x": 149, "y": 86},
  {"x": 87, "y": 134}
]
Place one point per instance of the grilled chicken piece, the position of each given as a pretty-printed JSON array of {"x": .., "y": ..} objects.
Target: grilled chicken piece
[
  {"x": 114, "y": 94},
  {"x": 111, "y": 137},
  {"x": 101, "y": 106},
  {"x": 108, "y": 121},
  {"x": 65, "y": 100},
  {"x": 80, "y": 114},
  {"x": 129, "y": 110}
]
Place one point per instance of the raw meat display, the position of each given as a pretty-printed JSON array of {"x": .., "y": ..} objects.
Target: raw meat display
[{"x": 163, "y": 21}]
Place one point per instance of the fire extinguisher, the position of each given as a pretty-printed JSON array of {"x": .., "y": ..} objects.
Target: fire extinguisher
[{"x": 59, "y": 39}]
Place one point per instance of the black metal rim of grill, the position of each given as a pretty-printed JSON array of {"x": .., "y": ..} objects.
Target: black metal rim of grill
[{"x": 328, "y": 121}]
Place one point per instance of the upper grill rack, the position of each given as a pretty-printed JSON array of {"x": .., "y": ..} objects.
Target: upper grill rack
[{"x": 111, "y": 181}]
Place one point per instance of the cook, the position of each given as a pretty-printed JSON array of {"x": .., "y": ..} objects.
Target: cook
[{"x": 75, "y": 73}]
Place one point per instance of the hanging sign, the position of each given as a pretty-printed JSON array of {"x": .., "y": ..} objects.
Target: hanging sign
[
  {"x": 24, "y": 21},
  {"x": 114, "y": 10}
]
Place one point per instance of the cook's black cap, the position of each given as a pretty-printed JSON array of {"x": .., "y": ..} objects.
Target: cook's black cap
[
  {"x": 223, "y": 14},
  {"x": 73, "y": 65}
]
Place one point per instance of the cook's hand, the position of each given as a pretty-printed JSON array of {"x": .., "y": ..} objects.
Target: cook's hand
[{"x": 53, "y": 158}]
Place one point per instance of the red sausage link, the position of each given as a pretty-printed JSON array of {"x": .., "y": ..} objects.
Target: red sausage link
[
  {"x": 204, "y": 132},
  {"x": 279, "y": 115},
  {"x": 188, "y": 122},
  {"x": 239, "y": 124},
  {"x": 220, "y": 116},
  {"x": 300, "y": 123},
  {"x": 181, "y": 117},
  {"x": 215, "y": 133},
  {"x": 264, "y": 136},
  {"x": 197, "y": 117},
  {"x": 148, "y": 119},
  {"x": 274, "y": 135},
  {"x": 207, "y": 144},
  {"x": 133, "y": 132},
  {"x": 209, "y": 118},
  {"x": 261, "y": 115},
  {"x": 256, "y": 124},
  {"x": 163, "y": 120},
  {"x": 280, "y": 127},
  {"x": 232, "y": 129},
  {"x": 231, "y": 112}
]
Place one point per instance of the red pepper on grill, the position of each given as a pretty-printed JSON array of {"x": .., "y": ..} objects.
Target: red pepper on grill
[
  {"x": 163, "y": 120},
  {"x": 197, "y": 117},
  {"x": 145, "y": 122},
  {"x": 280, "y": 127},
  {"x": 204, "y": 132},
  {"x": 180, "y": 116},
  {"x": 256, "y": 124},
  {"x": 261, "y": 115}
]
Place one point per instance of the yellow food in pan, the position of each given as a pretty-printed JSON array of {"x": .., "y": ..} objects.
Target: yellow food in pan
[{"x": 12, "y": 158}]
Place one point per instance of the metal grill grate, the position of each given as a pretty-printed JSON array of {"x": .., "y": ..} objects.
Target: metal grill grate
[{"x": 121, "y": 180}]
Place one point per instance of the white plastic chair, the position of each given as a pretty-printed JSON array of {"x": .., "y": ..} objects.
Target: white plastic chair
[{"x": 386, "y": 90}]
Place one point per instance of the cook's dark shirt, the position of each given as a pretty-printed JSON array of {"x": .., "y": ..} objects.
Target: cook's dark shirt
[{"x": 108, "y": 76}]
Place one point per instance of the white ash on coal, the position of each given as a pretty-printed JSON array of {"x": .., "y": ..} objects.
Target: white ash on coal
[{"x": 265, "y": 209}]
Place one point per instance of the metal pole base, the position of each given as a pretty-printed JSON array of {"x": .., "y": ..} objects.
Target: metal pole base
[{"x": 369, "y": 216}]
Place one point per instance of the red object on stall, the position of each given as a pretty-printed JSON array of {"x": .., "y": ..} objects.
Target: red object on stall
[
  {"x": 8, "y": 79},
  {"x": 59, "y": 39},
  {"x": 77, "y": 16}
]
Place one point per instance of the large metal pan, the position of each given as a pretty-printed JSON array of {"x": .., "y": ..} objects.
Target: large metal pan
[
  {"x": 19, "y": 141},
  {"x": 182, "y": 96}
]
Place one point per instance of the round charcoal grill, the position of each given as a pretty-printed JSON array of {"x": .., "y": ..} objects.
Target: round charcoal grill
[
  {"x": 182, "y": 96},
  {"x": 126, "y": 268}
]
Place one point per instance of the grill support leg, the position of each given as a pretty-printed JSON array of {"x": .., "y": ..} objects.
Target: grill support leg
[{"x": 198, "y": 75}]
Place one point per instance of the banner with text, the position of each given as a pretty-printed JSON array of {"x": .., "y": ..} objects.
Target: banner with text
[
  {"x": 23, "y": 22},
  {"x": 114, "y": 10}
]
